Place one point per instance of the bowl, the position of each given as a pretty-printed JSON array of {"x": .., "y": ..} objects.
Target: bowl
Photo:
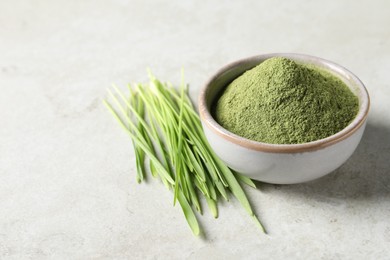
[{"x": 281, "y": 163}]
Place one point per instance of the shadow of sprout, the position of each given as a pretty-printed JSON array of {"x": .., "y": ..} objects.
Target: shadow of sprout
[{"x": 365, "y": 176}]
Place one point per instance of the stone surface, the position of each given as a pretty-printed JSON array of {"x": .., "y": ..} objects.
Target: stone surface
[{"x": 67, "y": 185}]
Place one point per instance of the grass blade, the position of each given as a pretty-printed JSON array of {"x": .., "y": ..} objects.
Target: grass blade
[
  {"x": 189, "y": 214},
  {"x": 245, "y": 180}
]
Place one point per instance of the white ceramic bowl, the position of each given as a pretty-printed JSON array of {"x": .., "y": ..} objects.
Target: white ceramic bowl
[{"x": 282, "y": 163}]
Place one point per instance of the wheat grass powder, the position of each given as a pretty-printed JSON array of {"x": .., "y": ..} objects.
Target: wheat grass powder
[{"x": 281, "y": 101}]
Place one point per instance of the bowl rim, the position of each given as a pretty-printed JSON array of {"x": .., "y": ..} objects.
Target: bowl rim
[{"x": 338, "y": 70}]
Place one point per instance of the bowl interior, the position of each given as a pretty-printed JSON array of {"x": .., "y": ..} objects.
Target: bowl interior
[{"x": 227, "y": 74}]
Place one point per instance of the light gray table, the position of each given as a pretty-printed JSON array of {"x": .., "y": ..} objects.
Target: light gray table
[{"x": 67, "y": 185}]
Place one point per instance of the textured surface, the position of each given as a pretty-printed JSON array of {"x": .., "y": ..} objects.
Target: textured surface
[{"x": 67, "y": 184}]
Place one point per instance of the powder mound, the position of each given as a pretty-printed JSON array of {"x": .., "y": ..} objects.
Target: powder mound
[{"x": 283, "y": 102}]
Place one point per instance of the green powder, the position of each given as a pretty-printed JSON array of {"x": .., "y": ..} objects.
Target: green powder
[{"x": 284, "y": 102}]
